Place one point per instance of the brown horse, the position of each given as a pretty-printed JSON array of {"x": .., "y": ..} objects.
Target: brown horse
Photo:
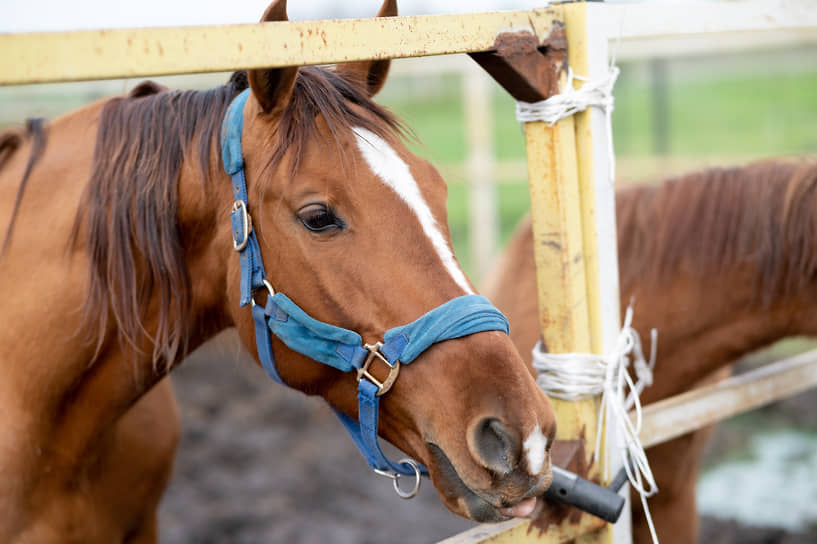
[
  {"x": 721, "y": 262},
  {"x": 118, "y": 259}
]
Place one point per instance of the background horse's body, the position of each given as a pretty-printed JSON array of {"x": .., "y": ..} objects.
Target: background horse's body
[{"x": 721, "y": 262}]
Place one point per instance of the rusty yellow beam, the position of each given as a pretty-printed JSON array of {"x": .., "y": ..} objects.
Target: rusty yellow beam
[
  {"x": 557, "y": 237},
  {"x": 517, "y": 531},
  {"x": 562, "y": 176},
  {"x": 575, "y": 25},
  {"x": 590, "y": 178},
  {"x": 124, "y": 53},
  {"x": 559, "y": 252},
  {"x": 563, "y": 208},
  {"x": 563, "y": 263}
]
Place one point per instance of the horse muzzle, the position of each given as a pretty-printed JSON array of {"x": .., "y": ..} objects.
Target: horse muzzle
[{"x": 510, "y": 492}]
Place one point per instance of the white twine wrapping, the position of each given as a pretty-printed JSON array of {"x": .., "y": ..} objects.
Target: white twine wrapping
[
  {"x": 593, "y": 93},
  {"x": 578, "y": 376}
]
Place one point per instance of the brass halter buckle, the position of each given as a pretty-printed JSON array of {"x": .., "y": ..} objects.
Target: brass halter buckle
[{"x": 363, "y": 372}]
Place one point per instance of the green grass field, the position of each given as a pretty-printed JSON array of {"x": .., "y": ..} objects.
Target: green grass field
[
  {"x": 743, "y": 115},
  {"x": 754, "y": 115}
]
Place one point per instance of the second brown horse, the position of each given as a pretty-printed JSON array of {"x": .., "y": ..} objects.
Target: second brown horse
[{"x": 721, "y": 262}]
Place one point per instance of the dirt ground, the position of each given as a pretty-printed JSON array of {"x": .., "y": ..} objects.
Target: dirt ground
[{"x": 259, "y": 463}]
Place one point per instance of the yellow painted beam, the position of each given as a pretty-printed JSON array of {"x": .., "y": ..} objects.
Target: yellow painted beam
[
  {"x": 563, "y": 211},
  {"x": 557, "y": 237},
  {"x": 124, "y": 53},
  {"x": 557, "y": 217},
  {"x": 575, "y": 26},
  {"x": 517, "y": 531},
  {"x": 575, "y": 18},
  {"x": 562, "y": 260}
]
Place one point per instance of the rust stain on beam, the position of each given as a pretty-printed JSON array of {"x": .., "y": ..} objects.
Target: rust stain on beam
[{"x": 529, "y": 69}]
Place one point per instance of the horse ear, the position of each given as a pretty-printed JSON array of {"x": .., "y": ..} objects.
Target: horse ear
[
  {"x": 370, "y": 74},
  {"x": 272, "y": 87}
]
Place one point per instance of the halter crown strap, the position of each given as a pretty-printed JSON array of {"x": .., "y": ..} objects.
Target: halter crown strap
[
  {"x": 331, "y": 345},
  {"x": 231, "y": 128}
]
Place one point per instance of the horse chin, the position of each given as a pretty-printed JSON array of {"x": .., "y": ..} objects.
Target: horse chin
[{"x": 515, "y": 498}]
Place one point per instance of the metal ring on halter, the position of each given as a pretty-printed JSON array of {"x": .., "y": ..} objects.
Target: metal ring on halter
[
  {"x": 269, "y": 288},
  {"x": 395, "y": 478}
]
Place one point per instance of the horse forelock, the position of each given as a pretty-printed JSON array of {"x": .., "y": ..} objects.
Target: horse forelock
[
  {"x": 341, "y": 104},
  {"x": 130, "y": 208},
  {"x": 762, "y": 215}
]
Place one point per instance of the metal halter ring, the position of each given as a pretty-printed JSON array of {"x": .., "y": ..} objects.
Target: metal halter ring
[
  {"x": 395, "y": 478},
  {"x": 269, "y": 288},
  {"x": 246, "y": 222}
]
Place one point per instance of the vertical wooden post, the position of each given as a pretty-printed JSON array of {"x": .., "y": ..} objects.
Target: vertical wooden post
[
  {"x": 573, "y": 216},
  {"x": 588, "y": 57},
  {"x": 561, "y": 178},
  {"x": 483, "y": 218}
]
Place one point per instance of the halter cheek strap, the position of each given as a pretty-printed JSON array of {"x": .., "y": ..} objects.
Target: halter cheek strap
[
  {"x": 244, "y": 239},
  {"x": 335, "y": 346}
]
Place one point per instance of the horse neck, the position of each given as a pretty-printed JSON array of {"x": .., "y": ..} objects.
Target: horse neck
[
  {"x": 720, "y": 262},
  {"x": 707, "y": 322},
  {"x": 204, "y": 229}
]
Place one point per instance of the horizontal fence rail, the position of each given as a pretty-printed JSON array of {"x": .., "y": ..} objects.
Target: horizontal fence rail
[
  {"x": 43, "y": 57},
  {"x": 660, "y": 19},
  {"x": 104, "y": 54},
  {"x": 678, "y": 415}
]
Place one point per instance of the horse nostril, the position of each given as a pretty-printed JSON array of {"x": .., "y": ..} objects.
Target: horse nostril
[{"x": 495, "y": 446}]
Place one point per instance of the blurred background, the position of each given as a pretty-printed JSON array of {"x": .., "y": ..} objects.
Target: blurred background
[{"x": 262, "y": 464}]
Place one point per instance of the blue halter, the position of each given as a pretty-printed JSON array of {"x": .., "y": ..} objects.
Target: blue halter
[{"x": 331, "y": 345}]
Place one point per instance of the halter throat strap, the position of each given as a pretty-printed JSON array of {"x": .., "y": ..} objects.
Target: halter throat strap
[{"x": 329, "y": 344}]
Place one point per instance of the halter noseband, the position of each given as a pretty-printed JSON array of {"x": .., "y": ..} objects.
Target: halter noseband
[{"x": 335, "y": 346}]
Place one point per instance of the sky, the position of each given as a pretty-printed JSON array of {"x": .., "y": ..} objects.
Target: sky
[{"x": 52, "y": 15}]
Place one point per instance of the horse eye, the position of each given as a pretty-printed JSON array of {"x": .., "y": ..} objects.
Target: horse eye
[{"x": 318, "y": 217}]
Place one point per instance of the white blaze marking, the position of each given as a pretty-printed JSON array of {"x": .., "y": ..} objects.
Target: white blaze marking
[
  {"x": 389, "y": 167},
  {"x": 534, "y": 447}
]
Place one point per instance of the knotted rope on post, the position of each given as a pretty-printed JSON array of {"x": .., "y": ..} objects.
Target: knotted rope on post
[
  {"x": 579, "y": 376},
  {"x": 593, "y": 93}
]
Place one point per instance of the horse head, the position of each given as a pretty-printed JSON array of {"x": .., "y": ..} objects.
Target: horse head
[{"x": 352, "y": 228}]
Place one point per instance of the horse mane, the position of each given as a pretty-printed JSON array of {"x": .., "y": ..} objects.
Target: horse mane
[
  {"x": 763, "y": 214},
  {"x": 9, "y": 142},
  {"x": 130, "y": 207}
]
